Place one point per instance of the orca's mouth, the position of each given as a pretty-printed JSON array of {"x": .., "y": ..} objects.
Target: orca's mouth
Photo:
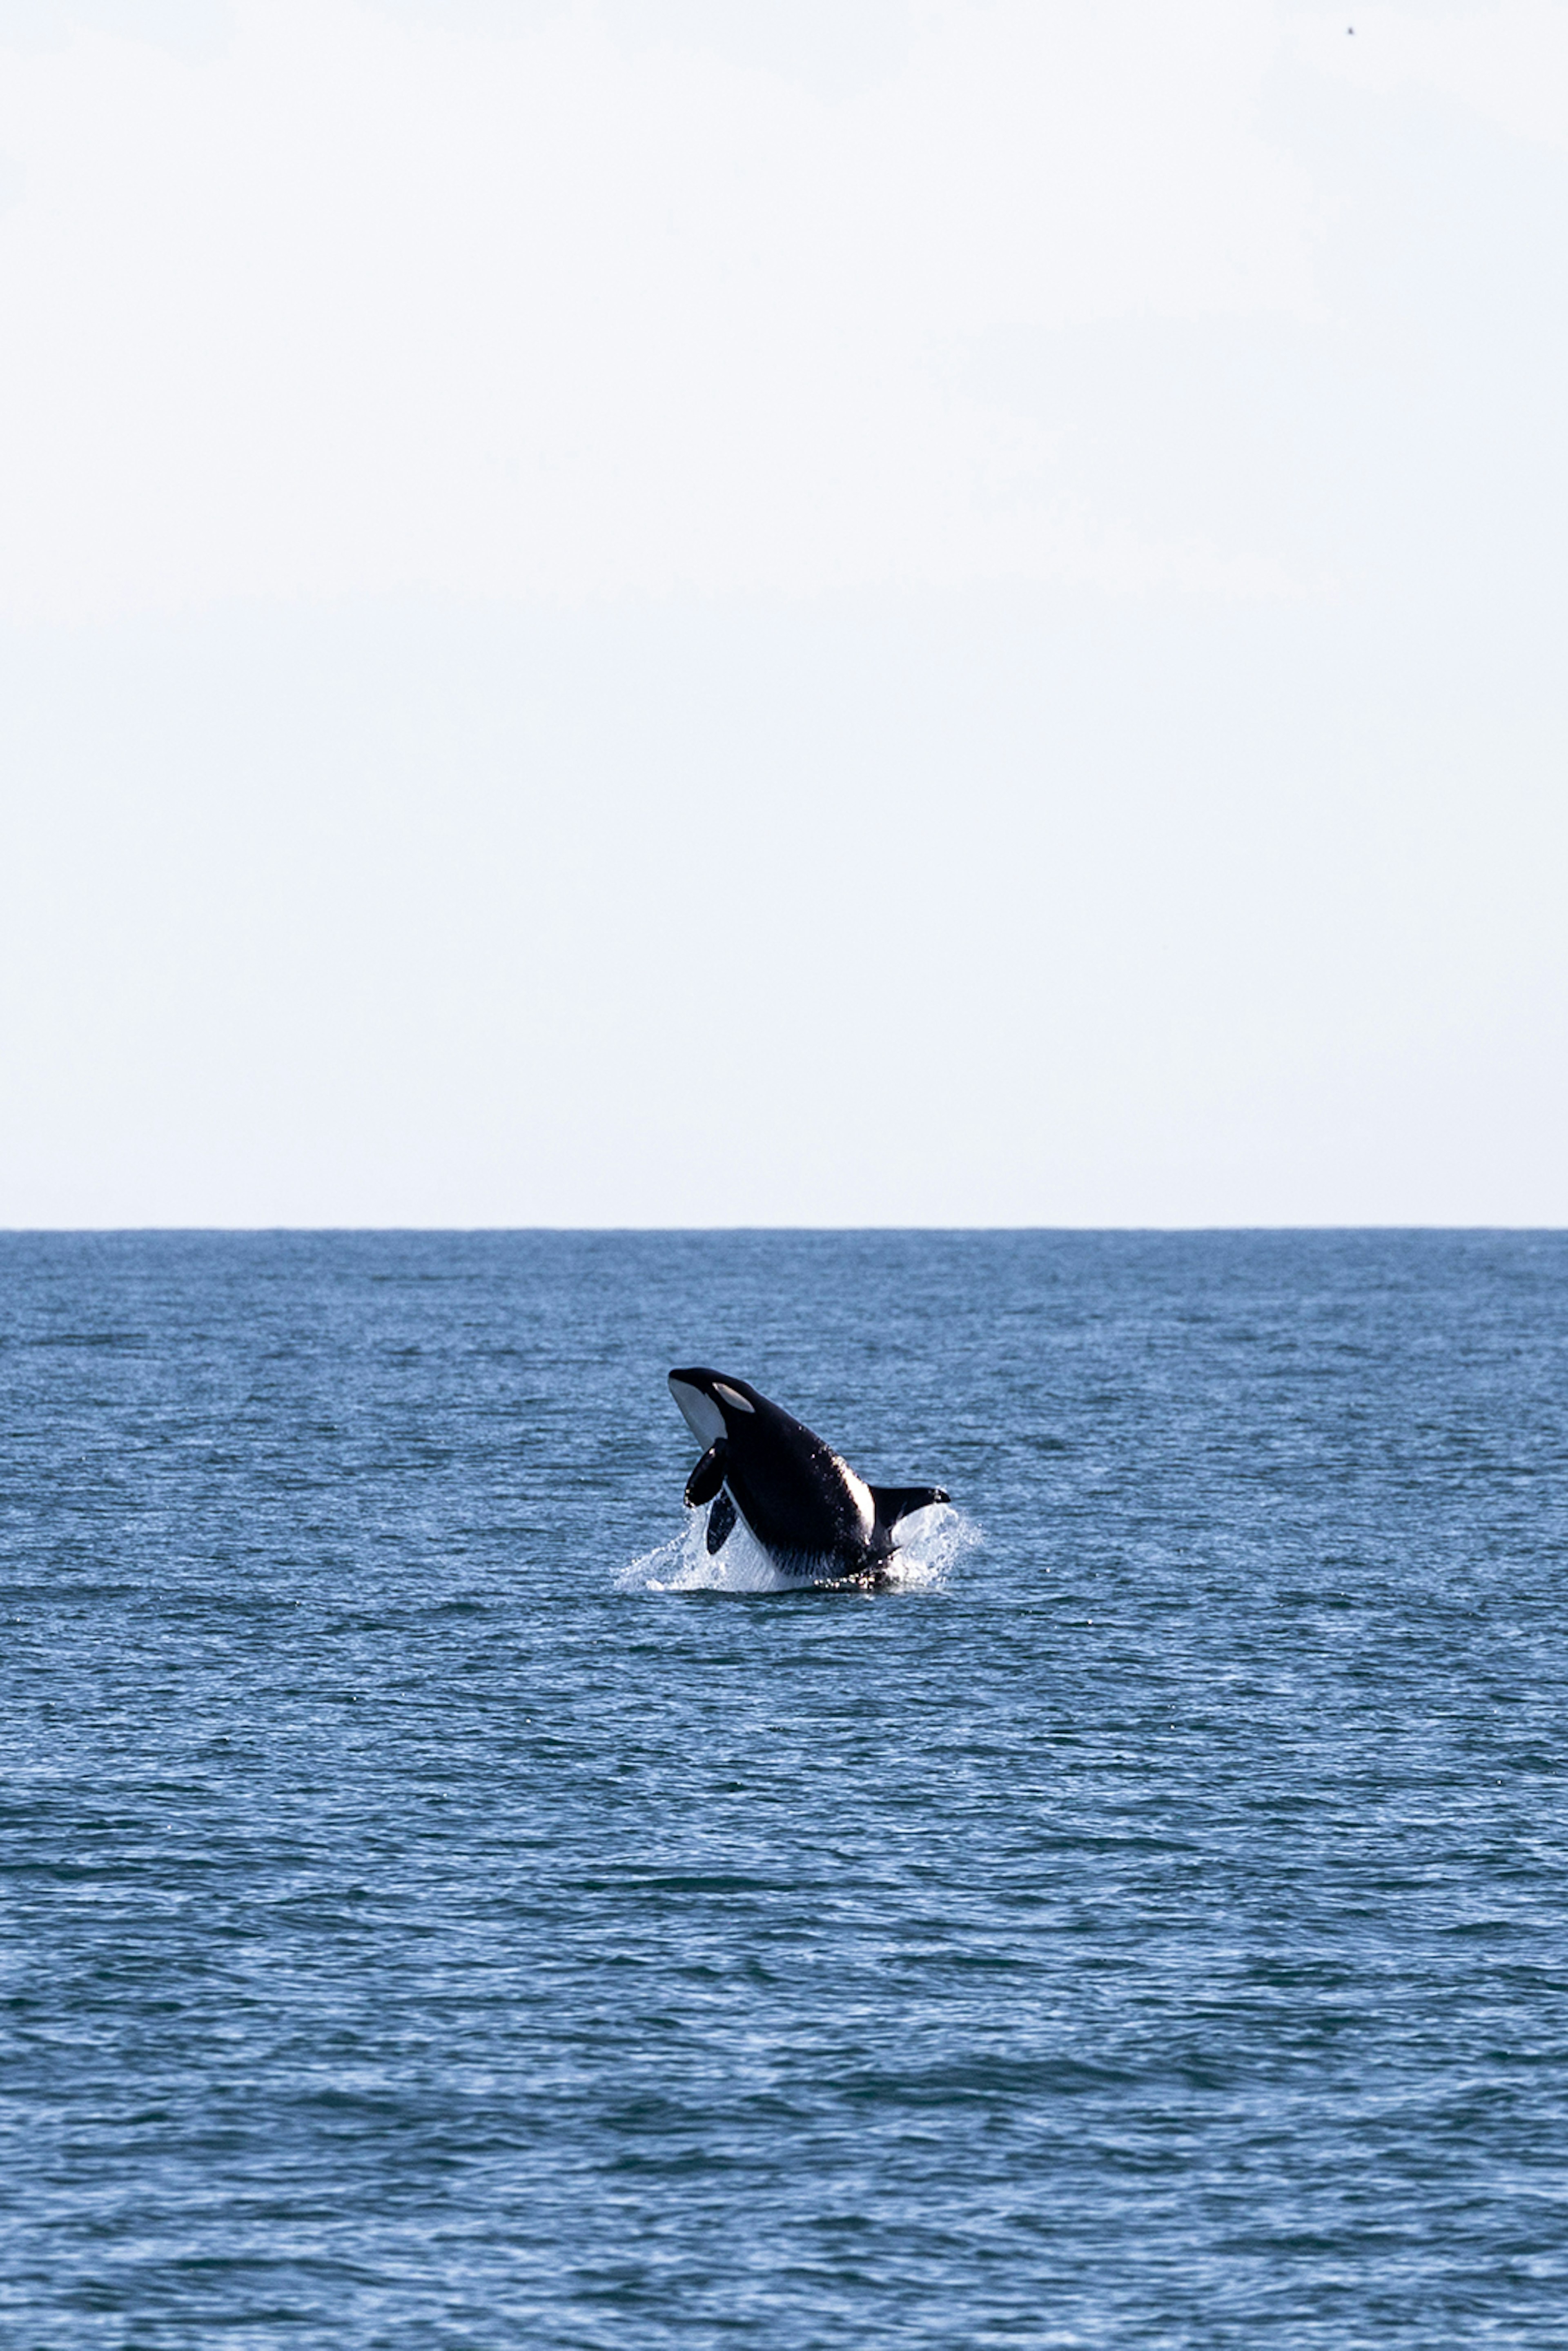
[{"x": 700, "y": 1413}]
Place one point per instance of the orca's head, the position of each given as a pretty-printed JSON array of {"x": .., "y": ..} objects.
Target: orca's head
[{"x": 712, "y": 1406}]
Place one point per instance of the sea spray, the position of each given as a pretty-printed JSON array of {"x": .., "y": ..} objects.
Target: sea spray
[{"x": 932, "y": 1542}]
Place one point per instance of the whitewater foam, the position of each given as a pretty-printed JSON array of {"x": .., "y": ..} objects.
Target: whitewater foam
[{"x": 931, "y": 1544}]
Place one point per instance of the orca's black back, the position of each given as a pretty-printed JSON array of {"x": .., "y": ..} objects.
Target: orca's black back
[{"x": 792, "y": 1490}]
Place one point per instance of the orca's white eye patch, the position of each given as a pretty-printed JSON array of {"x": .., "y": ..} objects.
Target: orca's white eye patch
[{"x": 730, "y": 1397}]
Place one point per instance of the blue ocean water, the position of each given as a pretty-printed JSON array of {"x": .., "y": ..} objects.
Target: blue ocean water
[{"x": 1148, "y": 1927}]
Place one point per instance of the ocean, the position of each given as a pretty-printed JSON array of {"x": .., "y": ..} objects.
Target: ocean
[{"x": 440, "y": 1910}]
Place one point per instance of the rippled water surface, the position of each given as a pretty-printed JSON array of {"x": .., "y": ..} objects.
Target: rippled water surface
[{"x": 1148, "y": 1927}]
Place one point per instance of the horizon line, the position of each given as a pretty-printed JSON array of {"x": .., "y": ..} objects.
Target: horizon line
[{"x": 258, "y": 1231}]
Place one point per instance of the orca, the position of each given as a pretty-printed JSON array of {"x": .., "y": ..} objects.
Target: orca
[{"x": 810, "y": 1513}]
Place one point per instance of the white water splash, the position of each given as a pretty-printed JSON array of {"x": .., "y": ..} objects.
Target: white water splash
[{"x": 931, "y": 1542}]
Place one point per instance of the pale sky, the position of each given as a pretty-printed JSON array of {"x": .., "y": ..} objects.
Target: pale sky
[{"x": 702, "y": 611}]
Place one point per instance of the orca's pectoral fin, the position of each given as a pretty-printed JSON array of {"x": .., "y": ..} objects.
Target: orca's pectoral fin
[
  {"x": 895, "y": 1502},
  {"x": 721, "y": 1521},
  {"x": 707, "y": 1477}
]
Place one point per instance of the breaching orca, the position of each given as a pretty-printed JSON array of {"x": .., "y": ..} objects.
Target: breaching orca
[{"x": 804, "y": 1503}]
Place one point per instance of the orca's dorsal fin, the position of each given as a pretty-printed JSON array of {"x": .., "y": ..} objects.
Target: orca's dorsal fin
[
  {"x": 895, "y": 1502},
  {"x": 707, "y": 1477}
]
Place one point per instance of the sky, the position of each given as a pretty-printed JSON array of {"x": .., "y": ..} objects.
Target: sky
[{"x": 782, "y": 612}]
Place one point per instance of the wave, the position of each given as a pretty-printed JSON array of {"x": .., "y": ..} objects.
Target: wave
[{"x": 932, "y": 1542}]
